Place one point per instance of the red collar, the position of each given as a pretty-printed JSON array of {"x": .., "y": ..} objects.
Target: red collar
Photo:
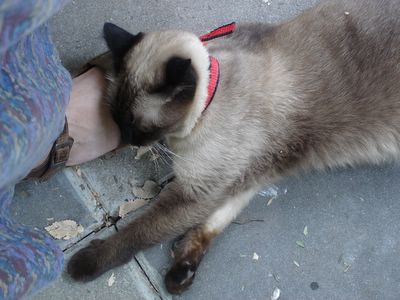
[{"x": 214, "y": 65}]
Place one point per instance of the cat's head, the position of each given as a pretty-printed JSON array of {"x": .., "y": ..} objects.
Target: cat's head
[{"x": 160, "y": 83}]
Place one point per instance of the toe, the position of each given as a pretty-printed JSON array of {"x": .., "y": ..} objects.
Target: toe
[
  {"x": 180, "y": 277},
  {"x": 84, "y": 266}
]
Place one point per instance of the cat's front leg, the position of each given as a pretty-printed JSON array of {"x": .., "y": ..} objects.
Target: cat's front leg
[
  {"x": 189, "y": 251},
  {"x": 173, "y": 213}
]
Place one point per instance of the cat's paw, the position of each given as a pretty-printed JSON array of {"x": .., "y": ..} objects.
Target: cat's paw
[
  {"x": 188, "y": 252},
  {"x": 180, "y": 277},
  {"x": 86, "y": 264}
]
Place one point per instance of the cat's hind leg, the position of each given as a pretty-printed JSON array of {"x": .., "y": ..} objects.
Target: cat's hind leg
[{"x": 189, "y": 251}]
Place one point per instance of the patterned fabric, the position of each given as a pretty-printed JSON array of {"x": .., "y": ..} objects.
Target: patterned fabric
[
  {"x": 18, "y": 18},
  {"x": 29, "y": 258},
  {"x": 34, "y": 92}
]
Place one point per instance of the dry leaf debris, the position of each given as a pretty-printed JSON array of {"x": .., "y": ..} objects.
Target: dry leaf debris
[
  {"x": 111, "y": 280},
  {"x": 64, "y": 230},
  {"x": 149, "y": 190},
  {"x": 276, "y": 294},
  {"x": 131, "y": 205}
]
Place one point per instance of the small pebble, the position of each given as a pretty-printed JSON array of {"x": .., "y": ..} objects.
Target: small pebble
[
  {"x": 276, "y": 294},
  {"x": 111, "y": 280},
  {"x": 314, "y": 286}
]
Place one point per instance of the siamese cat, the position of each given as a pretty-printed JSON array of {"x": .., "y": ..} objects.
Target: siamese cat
[{"x": 245, "y": 109}]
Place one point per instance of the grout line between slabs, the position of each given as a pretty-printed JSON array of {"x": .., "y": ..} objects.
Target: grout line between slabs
[{"x": 152, "y": 275}]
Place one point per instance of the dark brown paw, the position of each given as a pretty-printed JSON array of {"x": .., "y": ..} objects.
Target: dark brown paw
[
  {"x": 85, "y": 265},
  {"x": 180, "y": 277}
]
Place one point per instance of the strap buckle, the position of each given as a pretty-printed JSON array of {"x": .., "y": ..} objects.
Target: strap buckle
[{"x": 56, "y": 159}]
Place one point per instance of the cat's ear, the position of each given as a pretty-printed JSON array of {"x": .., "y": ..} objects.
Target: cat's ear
[
  {"x": 119, "y": 41},
  {"x": 179, "y": 71}
]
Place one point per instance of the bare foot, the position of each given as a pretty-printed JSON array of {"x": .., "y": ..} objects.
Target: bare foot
[{"x": 89, "y": 119}]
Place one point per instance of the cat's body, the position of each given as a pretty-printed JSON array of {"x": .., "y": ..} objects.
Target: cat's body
[{"x": 322, "y": 90}]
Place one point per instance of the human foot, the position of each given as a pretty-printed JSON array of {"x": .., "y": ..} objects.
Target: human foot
[{"x": 89, "y": 119}]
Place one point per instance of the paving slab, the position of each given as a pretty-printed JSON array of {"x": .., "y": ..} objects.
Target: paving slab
[
  {"x": 78, "y": 28},
  {"x": 351, "y": 250},
  {"x": 114, "y": 176},
  {"x": 41, "y": 204},
  {"x": 87, "y": 195},
  {"x": 127, "y": 282}
]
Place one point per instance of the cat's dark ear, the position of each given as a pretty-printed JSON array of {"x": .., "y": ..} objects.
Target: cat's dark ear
[
  {"x": 179, "y": 71},
  {"x": 119, "y": 41}
]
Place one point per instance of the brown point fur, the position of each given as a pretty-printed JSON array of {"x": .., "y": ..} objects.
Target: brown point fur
[{"x": 310, "y": 93}]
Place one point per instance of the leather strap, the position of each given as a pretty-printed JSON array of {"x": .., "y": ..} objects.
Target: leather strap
[{"x": 56, "y": 159}]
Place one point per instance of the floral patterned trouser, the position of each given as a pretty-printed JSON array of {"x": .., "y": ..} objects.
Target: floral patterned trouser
[{"x": 34, "y": 92}]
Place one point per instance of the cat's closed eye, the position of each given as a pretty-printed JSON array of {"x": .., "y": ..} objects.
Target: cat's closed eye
[{"x": 161, "y": 89}]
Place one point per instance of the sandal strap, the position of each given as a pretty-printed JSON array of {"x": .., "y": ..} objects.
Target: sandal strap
[{"x": 56, "y": 159}]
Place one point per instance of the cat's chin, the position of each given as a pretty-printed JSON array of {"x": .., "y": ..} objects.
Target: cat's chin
[
  {"x": 147, "y": 145},
  {"x": 145, "y": 142}
]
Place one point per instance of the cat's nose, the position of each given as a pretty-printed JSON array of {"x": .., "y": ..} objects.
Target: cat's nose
[
  {"x": 126, "y": 135},
  {"x": 140, "y": 138},
  {"x": 134, "y": 138}
]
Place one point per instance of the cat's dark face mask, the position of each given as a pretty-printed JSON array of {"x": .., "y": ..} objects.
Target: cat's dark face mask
[{"x": 152, "y": 98}]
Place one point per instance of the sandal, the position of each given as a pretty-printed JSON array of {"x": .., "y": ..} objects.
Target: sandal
[
  {"x": 56, "y": 159},
  {"x": 59, "y": 153}
]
